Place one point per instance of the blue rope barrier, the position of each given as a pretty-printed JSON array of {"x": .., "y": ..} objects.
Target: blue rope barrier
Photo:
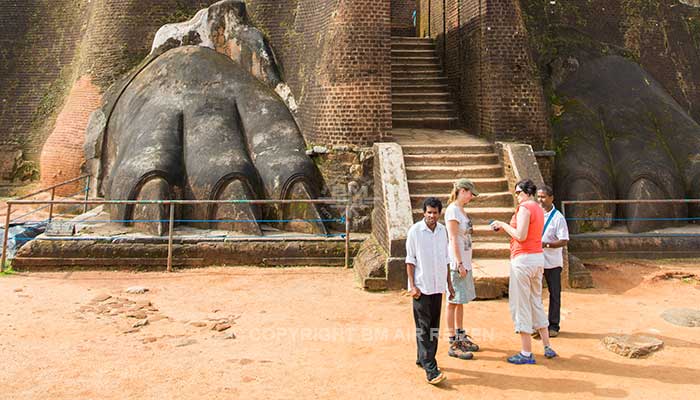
[{"x": 123, "y": 221}]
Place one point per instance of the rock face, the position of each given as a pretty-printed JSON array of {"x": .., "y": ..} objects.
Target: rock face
[
  {"x": 692, "y": 3},
  {"x": 683, "y": 317},
  {"x": 632, "y": 346},
  {"x": 222, "y": 27},
  {"x": 622, "y": 83},
  {"x": 200, "y": 120}
]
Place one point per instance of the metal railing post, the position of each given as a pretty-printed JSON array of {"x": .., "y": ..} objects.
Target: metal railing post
[
  {"x": 170, "y": 237},
  {"x": 347, "y": 235},
  {"x": 563, "y": 212},
  {"x": 6, "y": 236},
  {"x": 53, "y": 197},
  {"x": 87, "y": 193}
]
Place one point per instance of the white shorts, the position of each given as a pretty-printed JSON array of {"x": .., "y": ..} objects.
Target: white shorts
[{"x": 525, "y": 293}]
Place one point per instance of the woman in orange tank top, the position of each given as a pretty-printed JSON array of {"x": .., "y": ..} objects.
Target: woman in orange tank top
[{"x": 526, "y": 270}]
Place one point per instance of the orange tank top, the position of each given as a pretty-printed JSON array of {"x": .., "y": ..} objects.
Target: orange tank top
[{"x": 533, "y": 243}]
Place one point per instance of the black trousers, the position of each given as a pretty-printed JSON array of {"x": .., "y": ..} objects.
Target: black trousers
[
  {"x": 426, "y": 313},
  {"x": 553, "y": 278}
]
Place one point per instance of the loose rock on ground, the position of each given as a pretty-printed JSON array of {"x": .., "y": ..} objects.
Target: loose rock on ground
[
  {"x": 632, "y": 346},
  {"x": 682, "y": 317}
]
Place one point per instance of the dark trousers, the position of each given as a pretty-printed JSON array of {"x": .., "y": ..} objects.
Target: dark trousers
[
  {"x": 426, "y": 313},
  {"x": 553, "y": 278}
]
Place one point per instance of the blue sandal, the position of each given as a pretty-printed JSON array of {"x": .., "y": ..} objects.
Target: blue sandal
[
  {"x": 549, "y": 352},
  {"x": 520, "y": 359}
]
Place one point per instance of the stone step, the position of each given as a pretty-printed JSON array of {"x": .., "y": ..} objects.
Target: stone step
[
  {"x": 491, "y": 277},
  {"x": 450, "y": 159},
  {"x": 412, "y": 41},
  {"x": 477, "y": 148},
  {"x": 485, "y": 199},
  {"x": 491, "y": 250},
  {"x": 415, "y": 68},
  {"x": 412, "y": 80},
  {"x": 426, "y": 113},
  {"x": 427, "y": 96},
  {"x": 422, "y": 105},
  {"x": 434, "y": 72},
  {"x": 485, "y": 233},
  {"x": 410, "y": 52},
  {"x": 428, "y": 88},
  {"x": 418, "y": 186},
  {"x": 395, "y": 39},
  {"x": 425, "y": 122},
  {"x": 415, "y": 60},
  {"x": 479, "y": 215},
  {"x": 143, "y": 252},
  {"x": 399, "y": 47},
  {"x": 454, "y": 172}
]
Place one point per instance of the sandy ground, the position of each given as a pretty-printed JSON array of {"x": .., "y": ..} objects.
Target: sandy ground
[{"x": 310, "y": 333}]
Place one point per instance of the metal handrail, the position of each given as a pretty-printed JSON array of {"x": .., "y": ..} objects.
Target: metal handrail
[
  {"x": 172, "y": 204},
  {"x": 52, "y": 189},
  {"x": 56, "y": 186}
]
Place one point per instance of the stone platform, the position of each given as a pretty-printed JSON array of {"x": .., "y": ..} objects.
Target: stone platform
[
  {"x": 101, "y": 245},
  {"x": 616, "y": 242}
]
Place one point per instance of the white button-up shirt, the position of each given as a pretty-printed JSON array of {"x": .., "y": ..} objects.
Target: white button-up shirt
[
  {"x": 556, "y": 230},
  {"x": 427, "y": 250}
]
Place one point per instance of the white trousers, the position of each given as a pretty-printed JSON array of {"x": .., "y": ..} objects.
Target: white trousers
[{"x": 525, "y": 293}]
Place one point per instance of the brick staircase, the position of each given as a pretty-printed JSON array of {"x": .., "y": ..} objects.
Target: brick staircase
[
  {"x": 432, "y": 169},
  {"x": 419, "y": 92}
]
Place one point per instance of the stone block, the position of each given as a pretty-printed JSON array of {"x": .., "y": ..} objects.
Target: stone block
[
  {"x": 632, "y": 346},
  {"x": 391, "y": 187},
  {"x": 682, "y": 317}
]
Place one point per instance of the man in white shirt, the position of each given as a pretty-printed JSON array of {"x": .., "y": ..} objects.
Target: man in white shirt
[
  {"x": 428, "y": 278},
  {"x": 555, "y": 236}
]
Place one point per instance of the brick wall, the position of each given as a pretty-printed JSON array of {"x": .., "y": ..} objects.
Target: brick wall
[
  {"x": 336, "y": 59},
  {"x": 37, "y": 44},
  {"x": 47, "y": 45},
  {"x": 62, "y": 156},
  {"x": 546, "y": 164},
  {"x": 402, "y": 17},
  {"x": 120, "y": 33},
  {"x": 485, "y": 52}
]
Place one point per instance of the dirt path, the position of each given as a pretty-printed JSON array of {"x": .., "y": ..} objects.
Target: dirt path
[{"x": 311, "y": 333}]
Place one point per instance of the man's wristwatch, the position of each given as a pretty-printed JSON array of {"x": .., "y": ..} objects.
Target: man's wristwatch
[{"x": 547, "y": 245}]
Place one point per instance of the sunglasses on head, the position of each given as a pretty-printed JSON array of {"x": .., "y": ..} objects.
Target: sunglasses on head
[{"x": 517, "y": 192}]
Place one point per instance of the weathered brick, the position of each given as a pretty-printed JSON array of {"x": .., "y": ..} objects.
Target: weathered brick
[{"x": 485, "y": 51}]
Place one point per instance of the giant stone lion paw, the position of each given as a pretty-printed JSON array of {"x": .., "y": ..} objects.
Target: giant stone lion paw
[
  {"x": 194, "y": 125},
  {"x": 622, "y": 136}
]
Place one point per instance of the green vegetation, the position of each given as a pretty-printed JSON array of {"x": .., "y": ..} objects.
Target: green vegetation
[{"x": 7, "y": 271}]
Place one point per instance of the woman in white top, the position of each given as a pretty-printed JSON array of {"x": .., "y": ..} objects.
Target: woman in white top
[{"x": 459, "y": 230}]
